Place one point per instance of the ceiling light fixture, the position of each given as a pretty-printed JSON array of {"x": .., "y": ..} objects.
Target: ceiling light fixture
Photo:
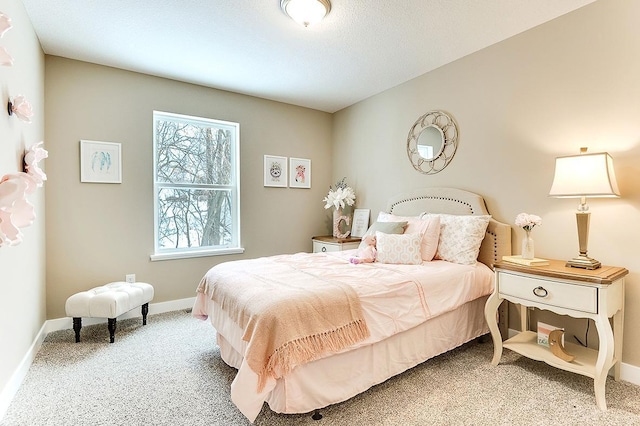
[{"x": 306, "y": 12}]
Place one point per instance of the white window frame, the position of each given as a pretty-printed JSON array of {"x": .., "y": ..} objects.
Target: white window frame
[{"x": 180, "y": 253}]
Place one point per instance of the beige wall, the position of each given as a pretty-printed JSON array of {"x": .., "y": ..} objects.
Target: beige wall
[
  {"x": 22, "y": 267},
  {"x": 97, "y": 233},
  {"x": 569, "y": 83}
]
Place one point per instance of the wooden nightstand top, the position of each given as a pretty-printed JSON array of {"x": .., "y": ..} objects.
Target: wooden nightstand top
[
  {"x": 332, "y": 239},
  {"x": 557, "y": 269}
]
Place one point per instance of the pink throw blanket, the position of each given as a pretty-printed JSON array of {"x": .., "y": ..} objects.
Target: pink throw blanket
[{"x": 288, "y": 314}]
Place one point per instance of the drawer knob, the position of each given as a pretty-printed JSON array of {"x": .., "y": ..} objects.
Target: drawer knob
[
  {"x": 540, "y": 292},
  {"x": 324, "y": 249}
]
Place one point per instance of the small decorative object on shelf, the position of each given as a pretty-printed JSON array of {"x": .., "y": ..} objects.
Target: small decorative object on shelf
[
  {"x": 557, "y": 347},
  {"x": 527, "y": 222},
  {"x": 21, "y": 108},
  {"x": 338, "y": 198}
]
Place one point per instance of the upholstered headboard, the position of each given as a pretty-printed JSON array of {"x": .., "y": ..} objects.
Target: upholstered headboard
[{"x": 497, "y": 241}]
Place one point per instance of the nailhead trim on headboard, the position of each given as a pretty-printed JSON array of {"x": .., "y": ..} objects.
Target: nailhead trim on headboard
[{"x": 433, "y": 198}]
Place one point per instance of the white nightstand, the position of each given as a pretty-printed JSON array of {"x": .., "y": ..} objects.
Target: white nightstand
[
  {"x": 327, "y": 243},
  {"x": 595, "y": 294}
]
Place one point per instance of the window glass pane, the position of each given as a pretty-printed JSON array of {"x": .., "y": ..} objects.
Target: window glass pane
[
  {"x": 192, "y": 218},
  {"x": 192, "y": 152}
]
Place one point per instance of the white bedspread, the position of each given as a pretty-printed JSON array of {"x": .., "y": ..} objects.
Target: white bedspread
[{"x": 394, "y": 298}]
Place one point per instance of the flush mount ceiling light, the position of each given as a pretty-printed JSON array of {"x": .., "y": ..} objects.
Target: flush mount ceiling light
[{"x": 306, "y": 12}]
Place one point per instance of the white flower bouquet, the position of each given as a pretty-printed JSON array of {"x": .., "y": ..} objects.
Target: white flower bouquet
[{"x": 340, "y": 197}]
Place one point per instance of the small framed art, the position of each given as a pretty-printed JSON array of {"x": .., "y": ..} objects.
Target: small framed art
[
  {"x": 360, "y": 222},
  {"x": 299, "y": 173},
  {"x": 275, "y": 171},
  {"x": 100, "y": 162}
]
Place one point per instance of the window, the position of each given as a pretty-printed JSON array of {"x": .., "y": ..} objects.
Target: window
[{"x": 196, "y": 186}]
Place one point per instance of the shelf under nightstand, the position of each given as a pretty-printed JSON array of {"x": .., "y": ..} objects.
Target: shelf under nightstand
[{"x": 594, "y": 294}]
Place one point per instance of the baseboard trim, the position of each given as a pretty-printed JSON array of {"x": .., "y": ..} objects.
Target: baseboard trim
[
  {"x": 630, "y": 373},
  {"x": 11, "y": 388}
]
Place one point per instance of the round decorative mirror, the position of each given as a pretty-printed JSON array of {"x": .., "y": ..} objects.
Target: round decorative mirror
[{"x": 432, "y": 142}]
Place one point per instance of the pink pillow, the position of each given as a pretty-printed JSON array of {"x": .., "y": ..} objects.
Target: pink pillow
[{"x": 429, "y": 227}]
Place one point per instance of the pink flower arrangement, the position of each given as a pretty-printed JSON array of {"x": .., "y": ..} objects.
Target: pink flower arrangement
[{"x": 528, "y": 221}]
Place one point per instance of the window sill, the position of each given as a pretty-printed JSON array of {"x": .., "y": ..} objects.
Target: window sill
[{"x": 190, "y": 254}]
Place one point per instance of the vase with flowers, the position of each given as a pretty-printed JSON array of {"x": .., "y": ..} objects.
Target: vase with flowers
[
  {"x": 528, "y": 222},
  {"x": 338, "y": 198}
]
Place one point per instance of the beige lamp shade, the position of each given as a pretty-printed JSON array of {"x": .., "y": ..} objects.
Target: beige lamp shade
[{"x": 584, "y": 175}]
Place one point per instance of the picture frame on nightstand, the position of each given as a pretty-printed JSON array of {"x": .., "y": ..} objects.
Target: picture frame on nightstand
[{"x": 360, "y": 222}]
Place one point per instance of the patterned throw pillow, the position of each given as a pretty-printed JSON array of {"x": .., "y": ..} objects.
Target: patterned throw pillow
[
  {"x": 460, "y": 237},
  {"x": 401, "y": 249},
  {"x": 386, "y": 227},
  {"x": 429, "y": 227}
]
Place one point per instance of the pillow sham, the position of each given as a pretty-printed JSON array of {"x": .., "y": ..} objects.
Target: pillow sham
[
  {"x": 460, "y": 237},
  {"x": 429, "y": 228},
  {"x": 401, "y": 249},
  {"x": 384, "y": 227}
]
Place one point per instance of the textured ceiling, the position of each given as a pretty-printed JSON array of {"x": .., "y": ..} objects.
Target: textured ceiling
[{"x": 361, "y": 48}]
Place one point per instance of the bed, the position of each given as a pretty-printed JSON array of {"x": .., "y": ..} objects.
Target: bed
[{"x": 403, "y": 312}]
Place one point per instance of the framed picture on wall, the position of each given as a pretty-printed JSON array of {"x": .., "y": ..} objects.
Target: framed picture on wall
[
  {"x": 360, "y": 222},
  {"x": 275, "y": 171},
  {"x": 100, "y": 162},
  {"x": 299, "y": 173}
]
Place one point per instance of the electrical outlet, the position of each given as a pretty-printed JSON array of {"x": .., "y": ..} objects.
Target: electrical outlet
[{"x": 130, "y": 278}]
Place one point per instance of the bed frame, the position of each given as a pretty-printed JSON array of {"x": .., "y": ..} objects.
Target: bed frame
[{"x": 410, "y": 344}]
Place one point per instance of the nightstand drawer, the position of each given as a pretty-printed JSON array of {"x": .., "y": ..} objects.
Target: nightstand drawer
[
  {"x": 319, "y": 247},
  {"x": 555, "y": 294}
]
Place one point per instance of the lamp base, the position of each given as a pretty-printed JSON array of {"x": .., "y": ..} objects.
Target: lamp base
[{"x": 583, "y": 262}]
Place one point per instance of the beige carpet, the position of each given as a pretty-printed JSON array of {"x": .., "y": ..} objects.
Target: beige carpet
[{"x": 170, "y": 373}]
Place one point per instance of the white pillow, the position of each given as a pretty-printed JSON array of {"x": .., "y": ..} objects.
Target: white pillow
[
  {"x": 460, "y": 237},
  {"x": 429, "y": 228},
  {"x": 401, "y": 249}
]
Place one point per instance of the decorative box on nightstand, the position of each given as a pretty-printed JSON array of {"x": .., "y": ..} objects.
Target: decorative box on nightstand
[
  {"x": 327, "y": 243},
  {"x": 595, "y": 294}
]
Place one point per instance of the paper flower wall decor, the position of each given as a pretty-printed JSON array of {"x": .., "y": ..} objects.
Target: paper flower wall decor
[
  {"x": 5, "y": 59},
  {"x": 32, "y": 157},
  {"x": 21, "y": 108},
  {"x": 15, "y": 210},
  {"x": 5, "y": 24}
]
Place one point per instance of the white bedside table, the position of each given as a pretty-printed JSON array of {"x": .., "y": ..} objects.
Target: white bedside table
[
  {"x": 328, "y": 243},
  {"x": 595, "y": 294}
]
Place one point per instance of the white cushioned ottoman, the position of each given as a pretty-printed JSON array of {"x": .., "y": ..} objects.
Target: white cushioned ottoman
[{"x": 109, "y": 301}]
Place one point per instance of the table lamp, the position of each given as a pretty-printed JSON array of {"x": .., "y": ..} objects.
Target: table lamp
[{"x": 582, "y": 176}]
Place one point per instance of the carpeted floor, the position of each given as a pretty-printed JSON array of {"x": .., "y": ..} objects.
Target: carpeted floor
[{"x": 170, "y": 373}]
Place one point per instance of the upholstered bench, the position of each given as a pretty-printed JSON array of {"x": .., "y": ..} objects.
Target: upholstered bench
[{"x": 108, "y": 301}]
